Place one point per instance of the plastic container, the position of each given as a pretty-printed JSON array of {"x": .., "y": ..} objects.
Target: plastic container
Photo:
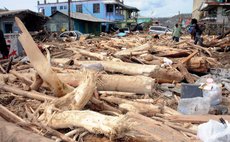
[
  {"x": 194, "y": 106},
  {"x": 213, "y": 92},
  {"x": 214, "y": 131}
]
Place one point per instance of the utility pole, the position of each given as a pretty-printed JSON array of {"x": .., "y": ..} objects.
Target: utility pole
[{"x": 69, "y": 8}]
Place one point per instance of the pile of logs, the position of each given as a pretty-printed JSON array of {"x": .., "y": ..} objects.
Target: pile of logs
[{"x": 103, "y": 86}]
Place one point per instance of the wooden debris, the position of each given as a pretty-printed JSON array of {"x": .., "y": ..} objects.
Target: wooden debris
[{"x": 39, "y": 61}]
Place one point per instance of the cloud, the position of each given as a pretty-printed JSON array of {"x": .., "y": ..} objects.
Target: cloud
[{"x": 161, "y": 8}]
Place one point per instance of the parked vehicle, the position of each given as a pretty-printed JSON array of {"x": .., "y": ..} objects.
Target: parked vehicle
[
  {"x": 159, "y": 30},
  {"x": 124, "y": 30},
  {"x": 73, "y": 34}
]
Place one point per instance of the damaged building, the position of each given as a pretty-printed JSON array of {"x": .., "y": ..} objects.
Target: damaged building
[
  {"x": 32, "y": 20},
  {"x": 215, "y": 13},
  {"x": 84, "y": 23},
  {"x": 111, "y": 10}
]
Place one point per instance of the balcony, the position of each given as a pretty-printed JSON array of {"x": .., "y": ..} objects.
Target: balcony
[{"x": 114, "y": 17}]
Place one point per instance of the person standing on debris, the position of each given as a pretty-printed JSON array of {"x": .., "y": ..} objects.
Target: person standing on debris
[
  {"x": 176, "y": 32},
  {"x": 196, "y": 31},
  {"x": 3, "y": 47}
]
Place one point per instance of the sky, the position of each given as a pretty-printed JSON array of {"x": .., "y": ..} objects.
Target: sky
[{"x": 148, "y": 8}]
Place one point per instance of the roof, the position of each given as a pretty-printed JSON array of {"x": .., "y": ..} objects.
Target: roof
[
  {"x": 14, "y": 12},
  {"x": 82, "y": 16},
  {"x": 123, "y": 5},
  {"x": 208, "y": 5}
]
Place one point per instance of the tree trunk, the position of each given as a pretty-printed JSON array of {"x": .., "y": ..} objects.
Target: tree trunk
[
  {"x": 120, "y": 83},
  {"x": 11, "y": 132},
  {"x": 142, "y": 108},
  {"x": 124, "y": 68},
  {"x": 129, "y": 51},
  {"x": 40, "y": 63}
]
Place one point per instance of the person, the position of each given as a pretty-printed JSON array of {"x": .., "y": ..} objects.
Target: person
[
  {"x": 176, "y": 33},
  {"x": 3, "y": 47},
  {"x": 196, "y": 31}
]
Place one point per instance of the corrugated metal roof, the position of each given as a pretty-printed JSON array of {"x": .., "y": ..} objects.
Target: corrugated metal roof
[
  {"x": 14, "y": 12},
  {"x": 84, "y": 17},
  {"x": 11, "y": 12}
]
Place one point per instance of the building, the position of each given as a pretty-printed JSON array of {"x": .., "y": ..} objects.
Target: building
[
  {"x": 215, "y": 13},
  {"x": 142, "y": 19},
  {"x": 196, "y": 13},
  {"x": 84, "y": 23},
  {"x": 112, "y": 10},
  {"x": 32, "y": 20}
]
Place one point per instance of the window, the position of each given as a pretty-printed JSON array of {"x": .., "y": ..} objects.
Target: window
[
  {"x": 53, "y": 9},
  {"x": 61, "y": 7},
  {"x": 96, "y": 8},
  {"x": 109, "y": 8},
  {"x": 65, "y": 7},
  {"x": 8, "y": 26},
  {"x": 79, "y": 8}
]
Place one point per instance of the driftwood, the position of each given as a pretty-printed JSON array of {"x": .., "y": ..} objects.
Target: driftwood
[
  {"x": 167, "y": 75},
  {"x": 39, "y": 61},
  {"x": 142, "y": 108},
  {"x": 200, "y": 48},
  {"x": 11, "y": 132},
  {"x": 29, "y": 94},
  {"x": 120, "y": 83},
  {"x": 111, "y": 126},
  {"x": 5, "y": 113},
  {"x": 80, "y": 96},
  {"x": 197, "y": 119},
  {"x": 124, "y": 68},
  {"x": 88, "y": 53},
  {"x": 130, "y": 51}
]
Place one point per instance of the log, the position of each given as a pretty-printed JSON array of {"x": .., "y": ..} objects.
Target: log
[
  {"x": 200, "y": 47},
  {"x": 120, "y": 83},
  {"x": 21, "y": 77},
  {"x": 5, "y": 113},
  {"x": 186, "y": 74},
  {"x": 111, "y": 126},
  {"x": 144, "y": 129},
  {"x": 142, "y": 108},
  {"x": 40, "y": 63},
  {"x": 88, "y": 53},
  {"x": 124, "y": 68},
  {"x": 29, "y": 94},
  {"x": 197, "y": 119},
  {"x": 37, "y": 82},
  {"x": 168, "y": 75},
  {"x": 79, "y": 97},
  {"x": 128, "y": 52},
  {"x": 11, "y": 132}
]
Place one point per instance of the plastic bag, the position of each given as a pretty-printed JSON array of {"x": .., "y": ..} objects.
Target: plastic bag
[
  {"x": 194, "y": 106},
  {"x": 214, "y": 131}
]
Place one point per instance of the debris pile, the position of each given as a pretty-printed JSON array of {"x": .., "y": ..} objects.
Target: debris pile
[{"x": 105, "y": 89}]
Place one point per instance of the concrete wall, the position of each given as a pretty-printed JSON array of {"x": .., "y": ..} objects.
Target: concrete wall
[
  {"x": 196, "y": 5},
  {"x": 57, "y": 22}
]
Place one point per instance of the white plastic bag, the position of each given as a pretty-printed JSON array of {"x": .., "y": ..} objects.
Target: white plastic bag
[
  {"x": 213, "y": 91},
  {"x": 214, "y": 131}
]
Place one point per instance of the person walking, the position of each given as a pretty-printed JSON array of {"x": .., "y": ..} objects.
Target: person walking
[
  {"x": 3, "y": 47},
  {"x": 176, "y": 32}
]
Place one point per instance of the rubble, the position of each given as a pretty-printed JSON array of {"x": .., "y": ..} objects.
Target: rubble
[{"x": 117, "y": 88}]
